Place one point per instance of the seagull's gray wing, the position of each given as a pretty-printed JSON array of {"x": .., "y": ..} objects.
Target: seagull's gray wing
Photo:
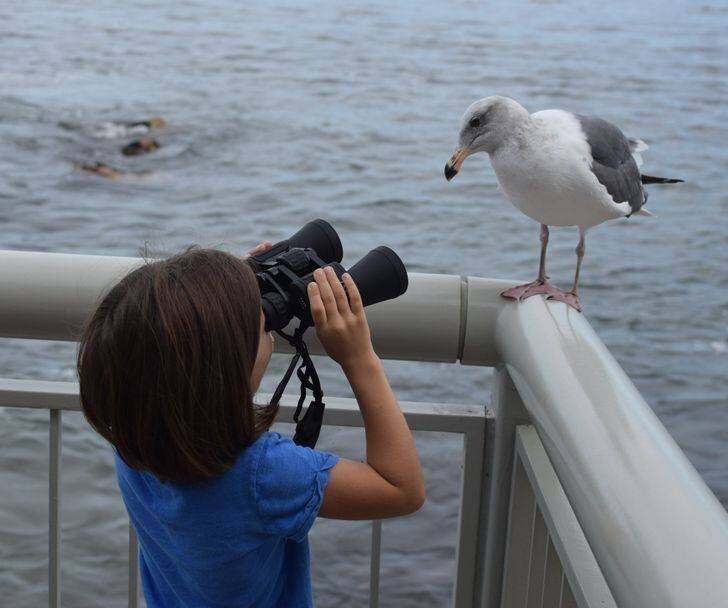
[{"x": 613, "y": 165}]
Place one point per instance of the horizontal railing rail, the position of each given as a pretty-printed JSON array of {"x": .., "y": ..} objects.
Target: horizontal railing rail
[
  {"x": 658, "y": 534},
  {"x": 49, "y": 295}
]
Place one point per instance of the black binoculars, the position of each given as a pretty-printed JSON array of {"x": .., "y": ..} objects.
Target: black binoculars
[{"x": 285, "y": 270}]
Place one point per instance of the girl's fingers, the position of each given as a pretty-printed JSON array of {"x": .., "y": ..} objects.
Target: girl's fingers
[
  {"x": 327, "y": 296},
  {"x": 342, "y": 304},
  {"x": 258, "y": 248},
  {"x": 318, "y": 313},
  {"x": 357, "y": 307}
]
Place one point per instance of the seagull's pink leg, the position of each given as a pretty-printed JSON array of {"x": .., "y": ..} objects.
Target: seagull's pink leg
[
  {"x": 541, "y": 284},
  {"x": 571, "y": 298}
]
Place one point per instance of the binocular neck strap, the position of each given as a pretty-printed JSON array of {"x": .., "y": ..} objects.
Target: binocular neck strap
[{"x": 308, "y": 427}]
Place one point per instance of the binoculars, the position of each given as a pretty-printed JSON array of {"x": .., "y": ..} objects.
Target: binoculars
[{"x": 285, "y": 270}]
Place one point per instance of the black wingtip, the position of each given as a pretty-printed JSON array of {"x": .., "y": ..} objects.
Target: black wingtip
[{"x": 650, "y": 179}]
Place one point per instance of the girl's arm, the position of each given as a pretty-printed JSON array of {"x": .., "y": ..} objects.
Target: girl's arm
[{"x": 390, "y": 483}]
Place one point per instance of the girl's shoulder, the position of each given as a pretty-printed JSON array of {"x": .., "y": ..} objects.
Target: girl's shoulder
[
  {"x": 288, "y": 483},
  {"x": 278, "y": 457}
]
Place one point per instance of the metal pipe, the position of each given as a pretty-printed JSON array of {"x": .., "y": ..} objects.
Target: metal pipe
[
  {"x": 508, "y": 412},
  {"x": 133, "y": 582},
  {"x": 375, "y": 563},
  {"x": 49, "y": 295},
  {"x": 54, "y": 510},
  {"x": 659, "y": 534}
]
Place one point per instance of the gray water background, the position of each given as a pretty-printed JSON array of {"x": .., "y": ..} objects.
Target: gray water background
[{"x": 282, "y": 112}]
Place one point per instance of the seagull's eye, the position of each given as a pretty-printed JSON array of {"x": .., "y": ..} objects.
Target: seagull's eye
[{"x": 475, "y": 122}]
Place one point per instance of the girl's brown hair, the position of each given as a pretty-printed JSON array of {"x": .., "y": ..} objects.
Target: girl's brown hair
[{"x": 165, "y": 363}]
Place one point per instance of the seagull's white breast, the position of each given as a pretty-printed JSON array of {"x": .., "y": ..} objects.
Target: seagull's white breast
[{"x": 547, "y": 174}]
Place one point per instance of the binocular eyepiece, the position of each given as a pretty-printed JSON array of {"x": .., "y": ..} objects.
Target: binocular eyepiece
[{"x": 285, "y": 270}]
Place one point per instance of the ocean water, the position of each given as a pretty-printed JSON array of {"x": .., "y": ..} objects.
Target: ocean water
[{"x": 282, "y": 112}]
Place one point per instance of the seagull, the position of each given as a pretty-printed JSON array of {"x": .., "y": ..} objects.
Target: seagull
[{"x": 560, "y": 169}]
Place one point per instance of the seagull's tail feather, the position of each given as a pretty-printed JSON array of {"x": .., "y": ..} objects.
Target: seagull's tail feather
[
  {"x": 644, "y": 211},
  {"x": 649, "y": 179}
]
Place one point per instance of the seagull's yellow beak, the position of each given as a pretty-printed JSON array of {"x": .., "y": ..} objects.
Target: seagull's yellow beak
[{"x": 456, "y": 160}]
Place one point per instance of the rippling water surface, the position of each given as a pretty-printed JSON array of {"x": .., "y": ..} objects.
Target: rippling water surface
[{"x": 281, "y": 112}]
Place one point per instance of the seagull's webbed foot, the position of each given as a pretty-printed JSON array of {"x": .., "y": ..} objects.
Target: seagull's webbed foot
[
  {"x": 567, "y": 297},
  {"x": 521, "y": 292},
  {"x": 534, "y": 288}
]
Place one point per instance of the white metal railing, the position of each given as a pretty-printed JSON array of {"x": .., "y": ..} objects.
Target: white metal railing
[
  {"x": 658, "y": 535},
  {"x": 548, "y": 561}
]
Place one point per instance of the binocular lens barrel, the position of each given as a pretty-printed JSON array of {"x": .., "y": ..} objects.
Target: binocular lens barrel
[
  {"x": 320, "y": 236},
  {"x": 380, "y": 275}
]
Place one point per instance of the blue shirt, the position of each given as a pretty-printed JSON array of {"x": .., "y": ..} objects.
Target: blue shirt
[{"x": 238, "y": 539}]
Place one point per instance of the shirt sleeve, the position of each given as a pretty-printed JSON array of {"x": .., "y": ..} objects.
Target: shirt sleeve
[{"x": 289, "y": 486}]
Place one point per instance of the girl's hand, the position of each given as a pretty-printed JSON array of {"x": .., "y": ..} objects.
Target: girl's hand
[
  {"x": 258, "y": 248},
  {"x": 341, "y": 325}
]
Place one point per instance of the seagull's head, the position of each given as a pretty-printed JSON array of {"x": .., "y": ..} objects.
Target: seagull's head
[{"x": 484, "y": 127}]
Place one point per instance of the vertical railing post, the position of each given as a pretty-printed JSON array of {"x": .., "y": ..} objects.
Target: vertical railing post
[
  {"x": 519, "y": 541},
  {"x": 375, "y": 563},
  {"x": 133, "y": 601},
  {"x": 537, "y": 567},
  {"x": 472, "y": 518},
  {"x": 509, "y": 412},
  {"x": 54, "y": 511}
]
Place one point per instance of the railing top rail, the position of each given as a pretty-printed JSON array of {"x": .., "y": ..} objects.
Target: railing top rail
[{"x": 49, "y": 295}]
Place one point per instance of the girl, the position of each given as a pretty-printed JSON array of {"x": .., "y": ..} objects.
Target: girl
[{"x": 168, "y": 365}]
